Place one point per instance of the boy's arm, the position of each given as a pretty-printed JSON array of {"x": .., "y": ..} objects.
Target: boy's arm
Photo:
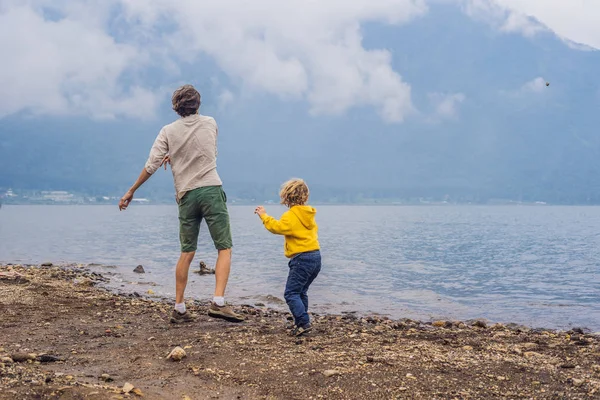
[{"x": 281, "y": 227}]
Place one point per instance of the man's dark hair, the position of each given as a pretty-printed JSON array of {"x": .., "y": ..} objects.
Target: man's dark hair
[{"x": 186, "y": 100}]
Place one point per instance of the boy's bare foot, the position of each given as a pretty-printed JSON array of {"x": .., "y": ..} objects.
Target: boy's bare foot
[{"x": 224, "y": 312}]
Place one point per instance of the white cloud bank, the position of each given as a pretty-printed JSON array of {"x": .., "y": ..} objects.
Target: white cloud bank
[
  {"x": 64, "y": 57},
  {"x": 573, "y": 21},
  {"x": 446, "y": 106},
  {"x": 84, "y": 57}
]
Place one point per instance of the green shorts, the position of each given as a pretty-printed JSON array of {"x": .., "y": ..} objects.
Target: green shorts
[{"x": 208, "y": 203}]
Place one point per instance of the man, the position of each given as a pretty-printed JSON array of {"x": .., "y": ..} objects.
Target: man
[{"x": 190, "y": 146}]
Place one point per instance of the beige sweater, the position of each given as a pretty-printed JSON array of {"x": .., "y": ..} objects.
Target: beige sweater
[{"x": 191, "y": 143}]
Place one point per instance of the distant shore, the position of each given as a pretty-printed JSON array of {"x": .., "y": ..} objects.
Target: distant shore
[{"x": 64, "y": 336}]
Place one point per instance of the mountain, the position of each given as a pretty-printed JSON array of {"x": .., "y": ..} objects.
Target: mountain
[{"x": 506, "y": 136}]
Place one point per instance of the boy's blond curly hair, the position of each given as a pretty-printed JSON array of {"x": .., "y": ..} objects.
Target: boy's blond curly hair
[{"x": 294, "y": 193}]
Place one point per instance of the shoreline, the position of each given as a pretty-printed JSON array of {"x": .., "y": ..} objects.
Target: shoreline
[{"x": 93, "y": 331}]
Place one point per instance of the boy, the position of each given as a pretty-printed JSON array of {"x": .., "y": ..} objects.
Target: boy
[{"x": 299, "y": 228}]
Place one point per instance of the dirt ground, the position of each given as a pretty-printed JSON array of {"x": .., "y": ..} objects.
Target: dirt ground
[{"x": 62, "y": 337}]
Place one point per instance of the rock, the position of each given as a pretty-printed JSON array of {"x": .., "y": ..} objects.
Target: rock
[
  {"x": 576, "y": 382},
  {"x": 331, "y": 372},
  {"x": 177, "y": 354},
  {"x": 139, "y": 269},
  {"x": 204, "y": 270},
  {"x": 529, "y": 346},
  {"x": 568, "y": 366},
  {"x": 106, "y": 378},
  {"x": 150, "y": 291},
  {"x": 47, "y": 264},
  {"x": 128, "y": 387},
  {"x": 138, "y": 392},
  {"x": 48, "y": 358},
  {"x": 7, "y": 360},
  {"x": 479, "y": 323},
  {"x": 531, "y": 354},
  {"x": 439, "y": 324},
  {"x": 581, "y": 331},
  {"x": 468, "y": 348},
  {"x": 86, "y": 282},
  {"x": 22, "y": 357},
  {"x": 260, "y": 304}
]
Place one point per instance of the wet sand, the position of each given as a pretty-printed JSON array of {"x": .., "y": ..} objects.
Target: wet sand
[{"x": 63, "y": 337}]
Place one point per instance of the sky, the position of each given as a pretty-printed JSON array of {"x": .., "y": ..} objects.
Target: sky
[
  {"x": 91, "y": 57},
  {"x": 415, "y": 94}
]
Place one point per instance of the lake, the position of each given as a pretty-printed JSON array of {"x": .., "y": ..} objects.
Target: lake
[{"x": 534, "y": 265}]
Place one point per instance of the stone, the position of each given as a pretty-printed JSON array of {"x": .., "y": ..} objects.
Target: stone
[
  {"x": 128, "y": 387},
  {"x": 576, "y": 382},
  {"x": 529, "y": 346},
  {"x": 468, "y": 348},
  {"x": 47, "y": 264},
  {"x": 479, "y": 323},
  {"x": 7, "y": 360},
  {"x": 106, "y": 378},
  {"x": 22, "y": 357},
  {"x": 137, "y": 392},
  {"x": 531, "y": 354},
  {"x": 331, "y": 372},
  {"x": 177, "y": 354},
  {"x": 48, "y": 358},
  {"x": 204, "y": 270},
  {"x": 439, "y": 324},
  {"x": 139, "y": 269}
]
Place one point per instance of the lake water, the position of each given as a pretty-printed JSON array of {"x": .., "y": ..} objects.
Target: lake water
[{"x": 533, "y": 265}]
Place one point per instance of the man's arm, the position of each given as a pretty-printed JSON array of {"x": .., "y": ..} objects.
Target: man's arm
[
  {"x": 157, "y": 157},
  {"x": 126, "y": 199}
]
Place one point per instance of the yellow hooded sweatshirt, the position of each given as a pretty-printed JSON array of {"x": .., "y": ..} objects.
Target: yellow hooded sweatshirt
[{"x": 299, "y": 228}]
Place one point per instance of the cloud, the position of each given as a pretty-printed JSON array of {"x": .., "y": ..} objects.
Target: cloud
[
  {"x": 573, "y": 21},
  {"x": 225, "y": 98},
  {"x": 65, "y": 67},
  {"x": 446, "y": 105},
  {"x": 84, "y": 56},
  {"x": 534, "y": 86}
]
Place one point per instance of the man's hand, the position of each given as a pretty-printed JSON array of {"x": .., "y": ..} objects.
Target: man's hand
[
  {"x": 125, "y": 200},
  {"x": 165, "y": 161},
  {"x": 260, "y": 211}
]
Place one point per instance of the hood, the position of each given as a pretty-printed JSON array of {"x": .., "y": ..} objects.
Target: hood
[{"x": 306, "y": 215}]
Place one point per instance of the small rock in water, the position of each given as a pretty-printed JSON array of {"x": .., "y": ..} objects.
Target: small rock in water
[
  {"x": 139, "y": 269},
  {"x": 331, "y": 372},
  {"x": 47, "y": 264},
  {"x": 177, "y": 354},
  {"x": 204, "y": 270}
]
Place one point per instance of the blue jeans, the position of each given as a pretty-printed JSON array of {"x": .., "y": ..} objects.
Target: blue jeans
[{"x": 304, "y": 268}]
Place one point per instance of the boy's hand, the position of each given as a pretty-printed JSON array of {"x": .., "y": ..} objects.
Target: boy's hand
[{"x": 260, "y": 211}]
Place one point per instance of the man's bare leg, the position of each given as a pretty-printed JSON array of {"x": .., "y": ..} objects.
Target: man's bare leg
[
  {"x": 222, "y": 272},
  {"x": 181, "y": 274},
  {"x": 222, "y": 276}
]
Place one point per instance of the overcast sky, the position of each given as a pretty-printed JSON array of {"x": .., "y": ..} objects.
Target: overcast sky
[{"x": 92, "y": 57}]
